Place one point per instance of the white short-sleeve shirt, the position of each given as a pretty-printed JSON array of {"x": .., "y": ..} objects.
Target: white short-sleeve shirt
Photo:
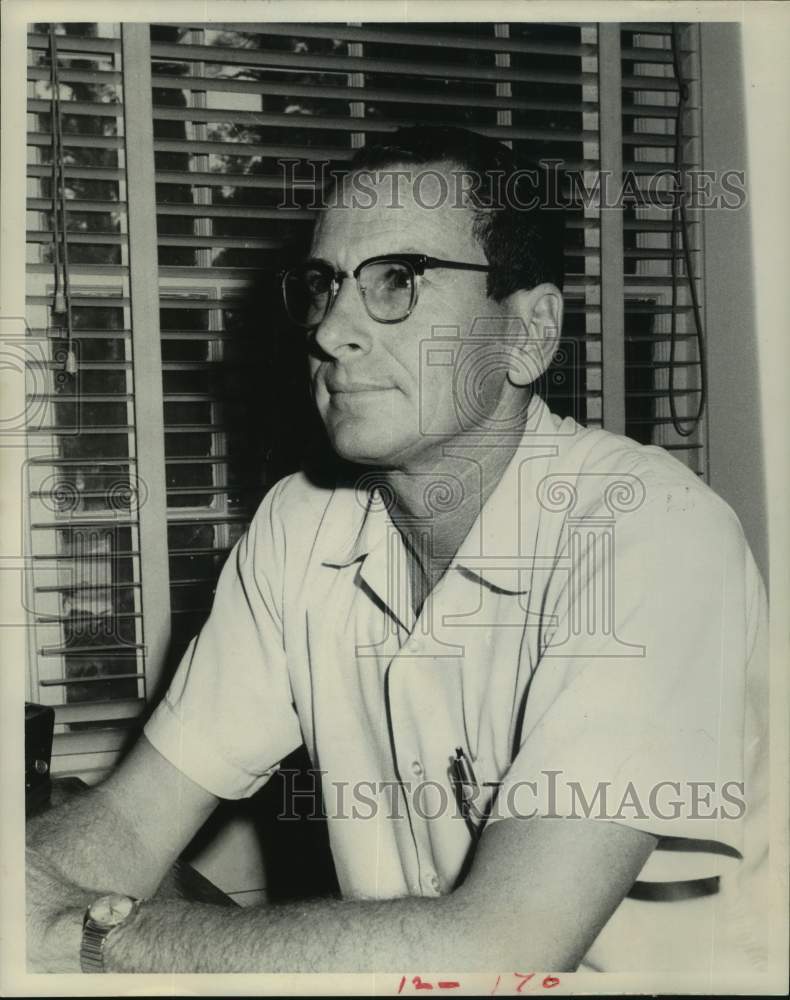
[{"x": 596, "y": 647}]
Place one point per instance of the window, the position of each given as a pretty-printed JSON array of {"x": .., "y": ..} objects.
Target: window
[
  {"x": 168, "y": 165},
  {"x": 87, "y": 629}
]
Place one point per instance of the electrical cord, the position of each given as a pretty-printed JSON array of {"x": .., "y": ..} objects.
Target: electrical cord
[{"x": 680, "y": 228}]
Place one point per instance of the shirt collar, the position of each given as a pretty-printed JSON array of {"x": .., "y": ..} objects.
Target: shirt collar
[
  {"x": 376, "y": 544},
  {"x": 501, "y": 545},
  {"x": 357, "y": 523}
]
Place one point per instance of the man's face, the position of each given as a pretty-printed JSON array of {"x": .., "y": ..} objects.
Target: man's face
[{"x": 380, "y": 402}]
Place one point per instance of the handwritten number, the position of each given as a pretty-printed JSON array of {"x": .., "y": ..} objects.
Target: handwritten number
[{"x": 418, "y": 983}]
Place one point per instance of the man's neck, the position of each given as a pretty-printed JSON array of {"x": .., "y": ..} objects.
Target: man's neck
[{"x": 436, "y": 505}]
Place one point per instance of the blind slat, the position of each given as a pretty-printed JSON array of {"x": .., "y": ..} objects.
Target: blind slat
[
  {"x": 78, "y": 173},
  {"x": 84, "y": 301},
  {"x": 85, "y": 397},
  {"x": 72, "y": 523},
  {"x": 76, "y": 139},
  {"x": 336, "y": 153},
  {"x": 99, "y": 238},
  {"x": 244, "y": 242},
  {"x": 74, "y": 43},
  {"x": 328, "y": 123},
  {"x": 96, "y": 109},
  {"x": 71, "y": 681},
  {"x": 369, "y": 94},
  {"x": 296, "y": 62},
  {"x": 383, "y": 34},
  {"x": 73, "y": 588},
  {"x": 76, "y": 205},
  {"x": 201, "y": 517},
  {"x": 102, "y": 77},
  {"x": 87, "y": 460}
]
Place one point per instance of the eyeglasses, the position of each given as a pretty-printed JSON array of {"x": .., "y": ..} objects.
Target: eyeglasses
[{"x": 389, "y": 286}]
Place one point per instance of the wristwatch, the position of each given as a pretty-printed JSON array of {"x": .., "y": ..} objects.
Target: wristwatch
[{"x": 103, "y": 916}]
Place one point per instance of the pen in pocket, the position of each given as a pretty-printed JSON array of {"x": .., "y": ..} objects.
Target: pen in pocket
[{"x": 465, "y": 786}]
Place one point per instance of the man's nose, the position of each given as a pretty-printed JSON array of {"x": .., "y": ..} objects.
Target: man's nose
[{"x": 345, "y": 330}]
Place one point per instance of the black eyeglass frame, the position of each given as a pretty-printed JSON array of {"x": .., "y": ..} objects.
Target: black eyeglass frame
[{"x": 419, "y": 263}]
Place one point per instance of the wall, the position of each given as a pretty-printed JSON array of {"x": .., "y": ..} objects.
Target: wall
[{"x": 735, "y": 452}]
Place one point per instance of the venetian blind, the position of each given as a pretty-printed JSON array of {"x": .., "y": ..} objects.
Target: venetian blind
[
  {"x": 664, "y": 353},
  {"x": 87, "y": 630}
]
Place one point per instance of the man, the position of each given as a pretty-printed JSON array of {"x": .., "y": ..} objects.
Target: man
[{"x": 525, "y": 656}]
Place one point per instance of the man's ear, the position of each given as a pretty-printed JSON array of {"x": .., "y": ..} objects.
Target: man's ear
[{"x": 540, "y": 309}]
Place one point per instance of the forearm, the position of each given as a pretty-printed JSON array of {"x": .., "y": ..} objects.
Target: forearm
[
  {"x": 54, "y": 908},
  {"x": 64, "y": 877},
  {"x": 76, "y": 852},
  {"x": 325, "y": 935},
  {"x": 91, "y": 844}
]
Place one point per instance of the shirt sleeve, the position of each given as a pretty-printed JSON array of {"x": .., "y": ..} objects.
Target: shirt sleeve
[
  {"x": 644, "y": 722},
  {"x": 228, "y": 718}
]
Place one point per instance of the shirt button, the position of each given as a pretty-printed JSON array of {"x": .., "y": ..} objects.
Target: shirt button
[
  {"x": 416, "y": 769},
  {"x": 432, "y": 882}
]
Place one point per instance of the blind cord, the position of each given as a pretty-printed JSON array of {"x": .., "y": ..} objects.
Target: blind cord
[
  {"x": 61, "y": 302},
  {"x": 680, "y": 228}
]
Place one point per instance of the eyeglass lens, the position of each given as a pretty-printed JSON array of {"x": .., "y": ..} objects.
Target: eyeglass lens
[{"x": 387, "y": 288}]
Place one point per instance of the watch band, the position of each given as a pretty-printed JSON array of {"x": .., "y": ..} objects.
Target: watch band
[{"x": 95, "y": 933}]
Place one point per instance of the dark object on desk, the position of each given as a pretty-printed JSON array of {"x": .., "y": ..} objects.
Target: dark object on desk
[
  {"x": 673, "y": 892},
  {"x": 39, "y": 726},
  {"x": 185, "y": 882}
]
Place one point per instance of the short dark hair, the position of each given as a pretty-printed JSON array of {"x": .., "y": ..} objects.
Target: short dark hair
[{"x": 518, "y": 225}]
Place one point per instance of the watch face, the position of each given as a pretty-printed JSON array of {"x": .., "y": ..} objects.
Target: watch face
[{"x": 109, "y": 911}]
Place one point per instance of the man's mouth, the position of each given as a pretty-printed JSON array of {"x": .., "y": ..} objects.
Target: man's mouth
[{"x": 352, "y": 388}]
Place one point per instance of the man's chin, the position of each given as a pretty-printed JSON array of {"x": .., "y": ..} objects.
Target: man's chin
[
  {"x": 364, "y": 445},
  {"x": 355, "y": 448}
]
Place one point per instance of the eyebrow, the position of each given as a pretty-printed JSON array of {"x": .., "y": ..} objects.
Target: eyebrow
[{"x": 408, "y": 249}]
